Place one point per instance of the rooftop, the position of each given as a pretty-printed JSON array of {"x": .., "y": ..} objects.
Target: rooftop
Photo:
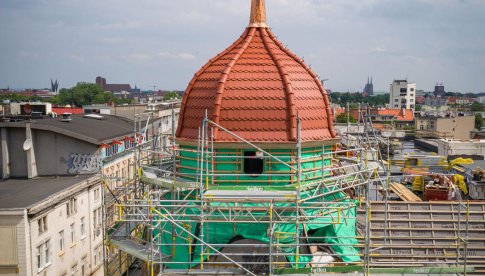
[
  {"x": 86, "y": 129},
  {"x": 476, "y": 164},
  {"x": 399, "y": 114},
  {"x": 257, "y": 88},
  {"x": 25, "y": 193}
]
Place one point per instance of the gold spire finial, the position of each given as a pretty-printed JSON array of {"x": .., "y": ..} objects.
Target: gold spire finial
[{"x": 258, "y": 14}]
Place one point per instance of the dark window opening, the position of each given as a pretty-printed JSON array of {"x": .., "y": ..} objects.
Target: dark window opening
[{"x": 252, "y": 163}]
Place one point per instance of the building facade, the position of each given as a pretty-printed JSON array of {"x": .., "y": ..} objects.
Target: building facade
[
  {"x": 444, "y": 126},
  {"x": 51, "y": 226},
  {"x": 402, "y": 94}
]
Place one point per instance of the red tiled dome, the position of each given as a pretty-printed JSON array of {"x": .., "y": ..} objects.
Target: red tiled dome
[{"x": 256, "y": 88}]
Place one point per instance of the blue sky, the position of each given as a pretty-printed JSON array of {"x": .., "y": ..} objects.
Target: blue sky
[{"x": 163, "y": 43}]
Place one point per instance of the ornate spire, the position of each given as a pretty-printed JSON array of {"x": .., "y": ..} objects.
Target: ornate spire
[{"x": 258, "y": 14}]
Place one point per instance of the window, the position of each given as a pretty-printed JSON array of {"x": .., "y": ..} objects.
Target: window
[
  {"x": 98, "y": 255},
  {"x": 97, "y": 193},
  {"x": 43, "y": 255},
  {"x": 83, "y": 266},
  {"x": 421, "y": 127},
  {"x": 71, "y": 206},
  {"x": 73, "y": 233},
  {"x": 412, "y": 89},
  {"x": 253, "y": 164},
  {"x": 61, "y": 240},
  {"x": 83, "y": 228},
  {"x": 403, "y": 90},
  {"x": 42, "y": 223},
  {"x": 97, "y": 217}
]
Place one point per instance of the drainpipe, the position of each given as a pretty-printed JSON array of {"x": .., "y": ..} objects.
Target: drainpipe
[
  {"x": 29, "y": 148},
  {"x": 5, "y": 154}
]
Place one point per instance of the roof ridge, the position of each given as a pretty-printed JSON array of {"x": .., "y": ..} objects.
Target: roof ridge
[
  {"x": 222, "y": 80},
  {"x": 290, "y": 102},
  {"x": 201, "y": 70},
  {"x": 310, "y": 71}
]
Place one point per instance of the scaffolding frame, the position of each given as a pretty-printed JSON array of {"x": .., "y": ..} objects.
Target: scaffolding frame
[{"x": 144, "y": 210}]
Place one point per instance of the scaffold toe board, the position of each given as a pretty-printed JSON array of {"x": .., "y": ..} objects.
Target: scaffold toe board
[
  {"x": 247, "y": 196},
  {"x": 140, "y": 251}
]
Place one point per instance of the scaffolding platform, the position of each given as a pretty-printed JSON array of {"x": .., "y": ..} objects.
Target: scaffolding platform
[
  {"x": 140, "y": 251},
  {"x": 152, "y": 179},
  {"x": 248, "y": 196},
  {"x": 222, "y": 271}
]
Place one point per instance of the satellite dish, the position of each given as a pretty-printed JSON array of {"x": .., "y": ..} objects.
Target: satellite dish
[
  {"x": 27, "y": 144},
  {"x": 27, "y": 108}
]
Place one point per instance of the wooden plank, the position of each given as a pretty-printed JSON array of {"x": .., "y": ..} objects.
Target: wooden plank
[{"x": 404, "y": 193}]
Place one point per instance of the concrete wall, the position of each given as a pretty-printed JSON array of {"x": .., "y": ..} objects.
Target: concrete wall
[
  {"x": 453, "y": 128},
  {"x": 458, "y": 127},
  {"x": 18, "y": 157},
  {"x": 53, "y": 152},
  {"x": 12, "y": 245},
  {"x": 463, "y": 148}
]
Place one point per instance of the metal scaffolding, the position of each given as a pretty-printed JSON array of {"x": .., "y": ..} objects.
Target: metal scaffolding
[{"x": 161, "y": 201}]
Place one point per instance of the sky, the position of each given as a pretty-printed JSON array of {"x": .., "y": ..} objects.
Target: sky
[{"x": 161, "y": 43}]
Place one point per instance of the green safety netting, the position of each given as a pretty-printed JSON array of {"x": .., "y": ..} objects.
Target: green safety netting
[{"x": 341, "y": 235}]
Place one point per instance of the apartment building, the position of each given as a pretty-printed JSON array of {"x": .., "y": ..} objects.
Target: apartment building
[
  {"x": 402, "y": 94},
  {"x": 51, "y": 226}
]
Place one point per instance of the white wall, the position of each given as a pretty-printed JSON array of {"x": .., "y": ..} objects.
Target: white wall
[
  {"x": 456, "y": 147},
  {"x": 83, "y": 247}
]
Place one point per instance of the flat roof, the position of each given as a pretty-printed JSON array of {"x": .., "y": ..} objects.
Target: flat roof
[
  {"x": 86, "y": 129},
  {"x": 25, "y": 193},
  {"x": 476, "y": 164}
]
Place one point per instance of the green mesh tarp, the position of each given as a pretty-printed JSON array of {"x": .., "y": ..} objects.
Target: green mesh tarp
[{"x": 337, "y": 230}]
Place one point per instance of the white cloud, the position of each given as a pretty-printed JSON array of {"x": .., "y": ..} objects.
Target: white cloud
[
  {"x": 180, "y": 56},
  {"x": 77, "y": 58}
]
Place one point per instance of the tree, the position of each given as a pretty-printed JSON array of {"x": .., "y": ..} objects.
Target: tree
[
  {"x": 170, "y": 96},
  {"x": 82, "y": 94},
  {"x": 477, "y": 107},
  {"x": 478, "y": 121},
  {"x": 342, "y": 118}
]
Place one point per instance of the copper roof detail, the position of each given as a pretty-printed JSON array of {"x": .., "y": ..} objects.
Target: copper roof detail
[
  {"x": 258, "y": 14},
  {"x": 256, "y": 88}
]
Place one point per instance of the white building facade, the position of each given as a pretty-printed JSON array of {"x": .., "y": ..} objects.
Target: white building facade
[
  {"x": 402, "y": 94},
  {"x": 61, "y": 234}
]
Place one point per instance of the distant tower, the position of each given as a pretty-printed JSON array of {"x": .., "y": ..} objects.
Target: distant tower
[
  {"x": 101, "y": 82},
  {"x": 369, "y": 87},
  {"x": 439, "y": 90},
  {"x": 54, "y": 86}
]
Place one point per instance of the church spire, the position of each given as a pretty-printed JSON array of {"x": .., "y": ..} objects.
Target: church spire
[{"x": 258, "y": 14}]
